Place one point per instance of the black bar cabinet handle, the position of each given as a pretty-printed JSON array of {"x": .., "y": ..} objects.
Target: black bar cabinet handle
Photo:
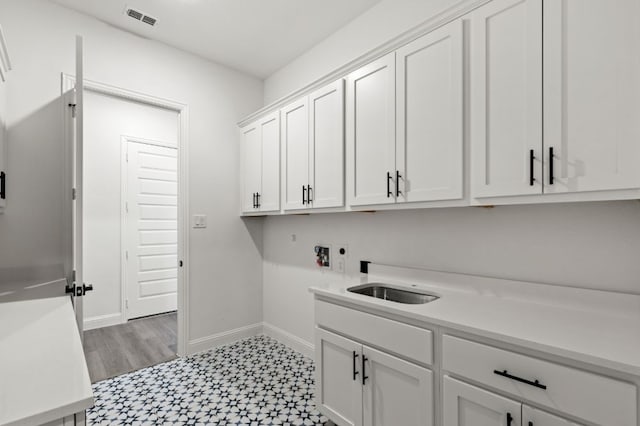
[
  {"x": 530, "y": 423},
  {"x": 398, "y": 177},
  {"x": 355, "y": 371},
  {"x": 551, "y": 177},
  {"x": 506, "y": 374},
  {"x": 3, "y": 185},
  {"x": 257, "y": 200},
  {"x": 304, "y": 195},
  {"x": 389, "y": 193},
  {"x": 254, "y": 200},
  {"x": 364, "y": 374},
  {"x": 531, "y": 158},
  {"x": 509, "y": 419},
  {"x": 309, "y": 199}
]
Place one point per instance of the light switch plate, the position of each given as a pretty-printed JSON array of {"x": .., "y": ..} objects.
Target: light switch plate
[{"x": 199, "y": 221}]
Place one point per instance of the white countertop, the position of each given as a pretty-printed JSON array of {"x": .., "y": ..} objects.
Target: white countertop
[
  {"x": 595, "y": 327},
  {"x": 43, "y": 372}
]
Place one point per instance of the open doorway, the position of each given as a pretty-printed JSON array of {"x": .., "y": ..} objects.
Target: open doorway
[{"x": 133, "y": 230}]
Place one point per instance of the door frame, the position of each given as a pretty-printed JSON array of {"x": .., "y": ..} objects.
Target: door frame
[
  {"x": 124, "y": 149},
  {"x": 67, "y": 85}
]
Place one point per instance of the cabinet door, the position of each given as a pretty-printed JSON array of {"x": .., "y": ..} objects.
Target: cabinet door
[
  {"x": 327, "y": 146},
  {"x": 396, "y": 392},
  {"x": 506, "y": 98},
  {"x": 535, "y": 417},
  {"x": 295, "y": 145},
  {"x": 430, "y": 123},
  {"x": 3, "y": 134},
  {"x": 338, "y": 378},
  {"x": 592, "y": 94},
  {"x": 466, "y": 405},
  {"x": 371, "y": 133},
  {"x": 251, "y": 166},
  {"x": 270, "y": 136}
]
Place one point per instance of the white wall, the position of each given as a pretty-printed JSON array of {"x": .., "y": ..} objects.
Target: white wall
[
  {"x": 107, "y": 119},
  {"x": 225, "y": 288},
  {"x": 592, "y": 245},
  {"x": 384, "y": 21}
]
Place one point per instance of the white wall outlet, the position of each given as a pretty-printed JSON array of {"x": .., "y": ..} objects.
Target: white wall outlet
[{"x": 199, "y": 221}]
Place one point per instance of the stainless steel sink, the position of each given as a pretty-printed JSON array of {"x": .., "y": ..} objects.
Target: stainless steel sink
[{"x": 394, "y": 294}]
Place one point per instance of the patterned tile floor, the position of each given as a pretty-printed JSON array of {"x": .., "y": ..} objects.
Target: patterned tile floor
[{"x": 256, "y": 381}]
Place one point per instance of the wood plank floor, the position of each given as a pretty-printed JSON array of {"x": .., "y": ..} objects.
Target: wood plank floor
[{"x": 140, "y": 343}]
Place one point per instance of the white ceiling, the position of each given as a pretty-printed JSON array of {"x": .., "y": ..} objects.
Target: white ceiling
[{"x": 255, "y": 36}]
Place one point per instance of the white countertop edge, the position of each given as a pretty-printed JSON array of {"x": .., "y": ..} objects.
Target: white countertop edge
[
  {"x": 385, "y": 307},
  {"x": 53, "y": 414}
]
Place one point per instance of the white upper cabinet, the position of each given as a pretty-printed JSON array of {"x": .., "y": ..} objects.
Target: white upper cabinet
[
  {"x": 592, "y": 94},
  {"x": 313, "y": 150},
  {"x": 371, "y": 133},
  {"x": 430, "y": 126},
  {"x": 251, "y": 149},
  {"x": 506, "y": 98},
  {"x": 326, "y": 174},
  {"x": 295, "y": 146},
  {"x": 260, "y": 154}
]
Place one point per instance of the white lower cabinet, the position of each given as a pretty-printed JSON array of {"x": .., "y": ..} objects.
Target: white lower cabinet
[
  {"x": 534, "y": 417},
  {"x": 359, "y": 385},
  {"x": 466, "y": 405}
]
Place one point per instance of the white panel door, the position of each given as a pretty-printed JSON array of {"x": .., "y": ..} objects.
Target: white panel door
[
  {"x": 466, "y": 405},
  {"x": 506, "y": 98},
  {"x": 429, "y": 145},
  {"x": 534, "y": 417},
  {"x": 295, "y": 145},
  {"x": 371, "y": 133},
  {"x": 396, "y": 392},
  {"x": 269, "y": 194},
  {"x": 151, "y": 229},
  {"x": 592, "y": 95},
  {"x": 338, "y": 378},
  {"x": 326, "y": 167},
  {"x": 251, "y": 151},
  {"x": 76, "y": 275}
]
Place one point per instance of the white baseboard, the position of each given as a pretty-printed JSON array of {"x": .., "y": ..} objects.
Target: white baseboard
[
  {"x": 102, "y": 321},
  {"x": 215, "y": 340},
  {"x": 288, "y": 339}
]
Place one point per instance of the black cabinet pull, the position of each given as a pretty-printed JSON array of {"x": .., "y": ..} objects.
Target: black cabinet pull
[
  {"x": 389, "y": 193},
  {"x": 530, "y": 423},
  {"x": 3, "y": 185},
  {"x": 304, "y": 195},
  {"x": 398, "y": 177},
  {"x": 551, "y": 177},
  {"x": 506, "y": 374},
  {"x": 531, "y": 158},
  {"x": 257, "y": 200},
  {"x": 364, "y": 374},
  {"x": 355, "y": 372},
  {"x": 254, "y": 200},
  {"x": 509, "y": 419},
  {"x": 309, "y": 199}
]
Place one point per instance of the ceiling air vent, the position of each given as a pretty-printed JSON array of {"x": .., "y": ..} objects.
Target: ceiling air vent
[
  {"x": 141, "y": 16},
  {"x": 134, "y": 14}
]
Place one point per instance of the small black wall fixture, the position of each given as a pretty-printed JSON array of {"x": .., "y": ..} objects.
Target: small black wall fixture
[
  {"x": 364, "y": 266},
  {"x": 3, "y": 185}
]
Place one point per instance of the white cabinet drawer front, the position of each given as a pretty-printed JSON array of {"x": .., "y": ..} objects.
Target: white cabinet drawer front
[
  {"x": 589, "y": 396},
  {"x": 403, "y": 339}
]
